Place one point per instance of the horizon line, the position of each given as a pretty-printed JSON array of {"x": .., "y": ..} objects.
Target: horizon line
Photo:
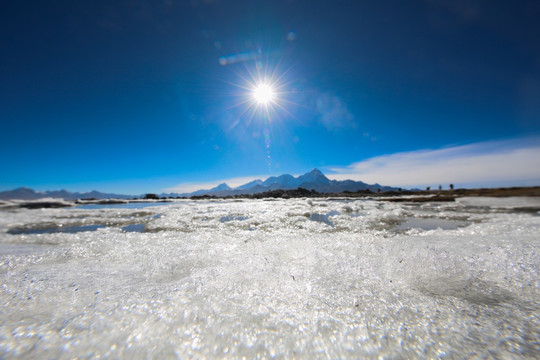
[{"x": 473, "y": 165}]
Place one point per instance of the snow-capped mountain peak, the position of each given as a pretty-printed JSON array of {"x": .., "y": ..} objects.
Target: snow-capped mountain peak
[
  {"x": 314, "y": 176},
  {"x": 221, "y": 187},
  {"x": 285, "y": 180},
  {"x": 250, "y": 184}
]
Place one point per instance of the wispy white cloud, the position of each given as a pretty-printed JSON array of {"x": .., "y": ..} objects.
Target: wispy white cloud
[{"x": 494, "y": 163}]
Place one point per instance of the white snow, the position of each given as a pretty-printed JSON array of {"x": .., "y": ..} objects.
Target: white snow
[{"x": 292, "y": 278}]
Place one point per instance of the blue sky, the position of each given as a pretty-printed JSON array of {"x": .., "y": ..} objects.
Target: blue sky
[{"x": 137, "y": 96}]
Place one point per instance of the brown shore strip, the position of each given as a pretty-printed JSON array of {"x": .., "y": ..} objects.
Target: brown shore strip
[
  {"x": 393, "y": 196},
  {"x": 451, "y": 195}
]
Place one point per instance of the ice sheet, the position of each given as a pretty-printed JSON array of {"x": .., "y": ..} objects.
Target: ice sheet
[{"x": 291, "y": 278}]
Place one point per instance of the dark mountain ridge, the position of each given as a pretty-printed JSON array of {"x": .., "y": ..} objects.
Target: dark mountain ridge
[
  {"x": 25, "y": 193},
  {"x": 313, "y": 180}
]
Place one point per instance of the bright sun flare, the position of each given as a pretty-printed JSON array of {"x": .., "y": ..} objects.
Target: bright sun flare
[{"x": 263, "y": 94}]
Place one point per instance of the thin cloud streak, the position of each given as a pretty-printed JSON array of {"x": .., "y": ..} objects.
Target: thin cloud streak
[
  {"x": 485, "y": 164},
  {"x": 494, "y": 163}
]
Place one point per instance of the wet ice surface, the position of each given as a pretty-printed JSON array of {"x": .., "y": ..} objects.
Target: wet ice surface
[
  {"x": 283, "y": 278},
  {"x": 430, "y": 224}
]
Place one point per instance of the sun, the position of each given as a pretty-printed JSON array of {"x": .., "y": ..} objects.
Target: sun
[{"x": 263, "y": 94}]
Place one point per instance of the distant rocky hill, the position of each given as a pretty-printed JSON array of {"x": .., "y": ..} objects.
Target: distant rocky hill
[{"x": 24, "y": 193}]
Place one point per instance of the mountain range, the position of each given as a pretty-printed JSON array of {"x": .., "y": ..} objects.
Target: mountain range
[
  {"x": 25, "y": 193},
  {"x": 313, "y": 180}
]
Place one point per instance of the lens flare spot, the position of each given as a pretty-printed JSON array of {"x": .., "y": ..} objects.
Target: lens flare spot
[{"x": 263, "y": 94}]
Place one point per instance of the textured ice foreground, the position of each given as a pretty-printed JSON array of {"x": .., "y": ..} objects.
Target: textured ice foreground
[{"x": 288, "y": 278}]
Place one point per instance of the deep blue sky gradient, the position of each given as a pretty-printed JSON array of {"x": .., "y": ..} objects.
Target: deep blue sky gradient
[{"x": 130, "y": 96}]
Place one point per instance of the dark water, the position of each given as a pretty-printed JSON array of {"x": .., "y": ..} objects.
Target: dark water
[
  {"x": 134, "y": 228},
  {"x": 324, "y": 218},
  {"x": 55, "y": 229},
  {"x": 72, "y": 229},
  {"x": 133, "y": 205}
]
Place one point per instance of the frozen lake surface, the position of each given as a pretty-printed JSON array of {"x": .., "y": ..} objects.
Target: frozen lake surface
[{"x": 298, "y": 278}]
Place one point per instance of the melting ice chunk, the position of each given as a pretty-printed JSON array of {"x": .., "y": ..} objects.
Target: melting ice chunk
[
  {"x": 227, "y": 218},
  {"x": 324, "y": 218}
]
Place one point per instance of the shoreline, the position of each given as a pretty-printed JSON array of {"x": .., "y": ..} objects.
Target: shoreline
[
  {"x": 420, "y": 196},
  {"x": 394, "y": 196}
]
